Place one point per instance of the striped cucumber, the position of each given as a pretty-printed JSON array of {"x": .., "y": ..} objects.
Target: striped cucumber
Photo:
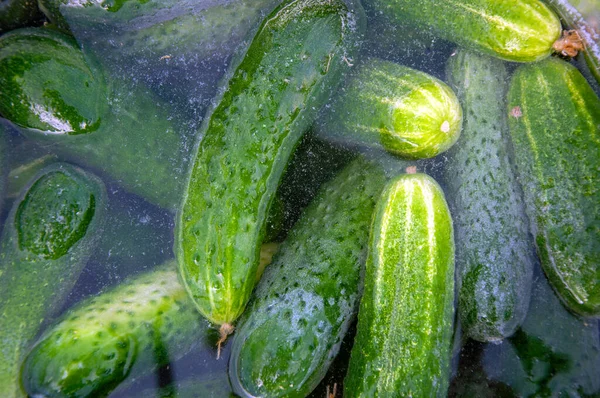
[
  {"x": 404, "y": 333},
  {"x": 128, "y": 330},
  {"x": 494, "y": 250},
  {"x": 288, "y": 71},
  {"x": 554, "y": 119},
  {"x": 50, "y": 233},
  {"x": 395, "y": 108},
  {"x": 306, "y": 299},
  {"x": 514, "y": 30}
]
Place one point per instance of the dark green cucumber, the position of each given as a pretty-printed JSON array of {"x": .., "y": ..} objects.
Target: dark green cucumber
[
  {"x": 49, "y": 235},
  {"x": 514, "y": 30},
  {"x": 291, "y": 66},
  {"x": 17, "y": 13},
  {"x": 494, "y": 249},
  {"x": 553, "y": 354},
  {"x": 128, "y": 330},
  {"x": 404, "y": 333},
  {"x": 554, "y": 116},
  {"x": 308, "y": 296},
  {"x": 395, "y": 108},
  {"x": 61, "y": 99},
  {"x": 178, "y": 48}
]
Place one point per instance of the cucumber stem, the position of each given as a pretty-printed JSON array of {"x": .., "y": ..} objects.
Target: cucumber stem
[{"x": 225, "y": 330}]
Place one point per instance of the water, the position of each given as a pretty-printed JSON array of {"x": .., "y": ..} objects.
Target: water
[{"x": 181, "y": 72}]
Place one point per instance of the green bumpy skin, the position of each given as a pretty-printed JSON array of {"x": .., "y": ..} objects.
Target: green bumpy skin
[
  {"x": 59, "y": 98},
  {"x": 291, "y": 66},
  {"x": 513, "y": 30},
  {"x": 494, "y": 249},
  {"x": 128, "y": 330},
  {"x": 395, "y": 108},
  {"x": 48, "y": 237},
  {"x": 404, "y": 333},
  {"x": 308, "y": 296},
  {"x": 554, "y": 116}
]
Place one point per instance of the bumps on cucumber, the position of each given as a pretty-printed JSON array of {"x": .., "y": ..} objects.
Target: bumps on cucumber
[
  {"x": 554, "y": 116},
  {"x": 494, "y": 249},
  {"x": 513, "y": 30},
  {"x": 401, "y": 110},
  {"x": 404, "y": 333},
  {"x": 307, "y": 298},
  {"x": 50, "y": 233},
  {"x": 289, "y": 69}
]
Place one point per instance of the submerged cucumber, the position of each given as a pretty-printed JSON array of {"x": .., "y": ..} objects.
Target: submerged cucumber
[
  {"x": 404, "y": 333},
  {"x": 514, "y": 30},
  {"x": 395, "y": 108},
  {"x": 49, "y": 235},
  {"x": 494, "y": 249},
  {"x": 554, "y": 119},
  {"x": 307, "y": 298},
  {"x": 289, "y": 69}
]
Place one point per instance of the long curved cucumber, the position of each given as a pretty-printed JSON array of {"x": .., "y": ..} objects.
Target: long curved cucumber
[
  {"x": 291, "y": 66},
  {"x": 513, "y": 30},
  {"x": 404, "y": 334},
  {"x": 554, "y": 119},
  {"x": 308, "y": 296},
  {"x": 395, "y": 108},
  {"x": 125, "y": 331},
  {"x": 494, "y": 249},
  {"x": 60, "y": 98},
  {"x": 50, "y": 233}
]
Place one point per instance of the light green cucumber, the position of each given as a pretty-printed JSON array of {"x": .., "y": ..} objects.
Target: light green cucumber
[
  {"x": 128, "y": 330},
  {"x": 49, "y": 234},
  {"x": 274, "y": 92},
  {"x": 308, "y": 296},
  {"x": 494, "y": 249},
  {"x": 394, "y": 108},
  {"x": 404, "y": 333},
  {"x": 514, "y": 30},
  {"x": 60, "y": 98},
  {"x": 554, "y": 116}
]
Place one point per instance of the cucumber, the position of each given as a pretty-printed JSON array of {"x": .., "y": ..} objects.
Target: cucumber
[
  {"x": 61, "y": 99},
  {"x": 394, "y": 108},
  {"x": 17, "y": 13},
  {"x": 48, "y": 237},
  {"x": 553, "y": 354},
  {"x": 513, "y": 30},
  {"x": 307, "y": 297},
  {"x": 128, "y": 330},
  {"x": 494, "y": 249},
  {"x": 178, "y": 48},
  {"x": 404, "y": 333},
  {"x": 554, "y": 119},
  {"x": 291, "y": 66}
]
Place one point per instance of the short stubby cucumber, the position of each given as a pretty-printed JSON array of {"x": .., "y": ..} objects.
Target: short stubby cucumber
[
  {"x": 274, "y": 92},
  {"x": 494, "y": 249},
  {"x": 554, "y": 116},
  {"x": 50, "y": 233},
  {"x": 128, "y": 330},
  {"x": 404, "y": 332},
  {"x": 61, "y": 98},
  {"x": 401, "y": 110},
  {"x": 308, "y": 296},
  {"x": 514, "y": 30}
]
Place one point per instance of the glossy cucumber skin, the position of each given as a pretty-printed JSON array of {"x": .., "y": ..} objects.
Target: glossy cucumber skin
[
  {"x": 128, "y": 330},
  {"x": 395, "y": 108},
  {"x": 48, "y": 237},
  {"x": 66, "y": 102},
  {"x": 274, "y": 92},
  {"x": 404, "y": 333},
  {"x": 494, "y": 248},
  {"x": 554, "y": 119},
  {"x": 513, "y": 30},
  {"x": 308, "y": 296}
]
